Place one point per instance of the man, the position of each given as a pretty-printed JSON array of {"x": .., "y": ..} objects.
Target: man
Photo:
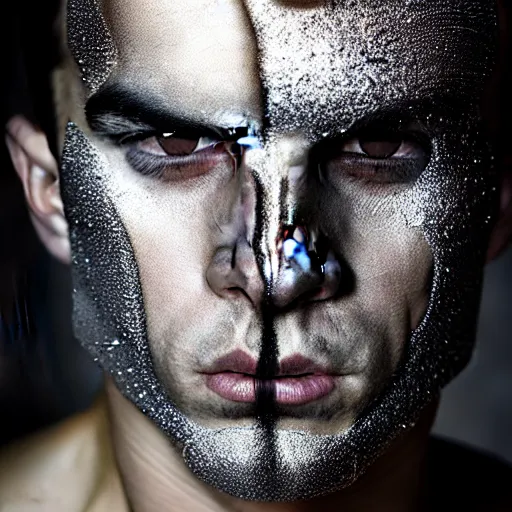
[{"x": 277, "y": 215}]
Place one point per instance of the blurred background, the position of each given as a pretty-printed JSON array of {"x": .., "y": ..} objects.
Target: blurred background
[
  {"x": 477, "y": 406},
  {"x": 45, "y": 375}
]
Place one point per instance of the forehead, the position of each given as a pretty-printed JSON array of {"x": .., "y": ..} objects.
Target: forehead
[
  {"x": 335, "y": 60},
  {"x": 184, "y": 50}
]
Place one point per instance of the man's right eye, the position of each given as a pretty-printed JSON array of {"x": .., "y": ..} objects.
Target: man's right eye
[
  {"x": 171, "y": 157},
  {"x": 170, "y": 145}
]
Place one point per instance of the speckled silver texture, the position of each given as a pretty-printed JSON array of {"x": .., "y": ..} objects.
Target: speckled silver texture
[
  {"x": 90, "y": 42},
  {"x": 344, "y": 63}
]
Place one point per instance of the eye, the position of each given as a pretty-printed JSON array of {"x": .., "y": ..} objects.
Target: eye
[
  {"x": 173, "y": 157},
  {"x": 379, "y": 156},
  {"x": 168, "y": 144},
  {"x": 382, "y": 146}
]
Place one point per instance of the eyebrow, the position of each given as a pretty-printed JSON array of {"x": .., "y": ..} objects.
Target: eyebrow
[{"x": 117, "y": 111}]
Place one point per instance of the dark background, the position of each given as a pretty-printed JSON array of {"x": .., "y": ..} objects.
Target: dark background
[{"x": 477, "y": 406}]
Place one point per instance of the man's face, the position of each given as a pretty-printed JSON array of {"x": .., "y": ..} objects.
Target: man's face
[{"x": 274, "y": 214}]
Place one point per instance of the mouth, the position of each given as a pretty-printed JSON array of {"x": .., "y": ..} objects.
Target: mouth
[{"x": 299, "y": 380}]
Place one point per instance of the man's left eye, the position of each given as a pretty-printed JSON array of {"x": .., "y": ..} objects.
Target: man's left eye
[
  {"x": 377, "y": 155},
  {"x": 381, "y": 147}
]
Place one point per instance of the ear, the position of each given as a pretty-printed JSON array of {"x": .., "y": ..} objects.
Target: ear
[
  {"x": 38, "y": 172},
  {"x": 501, "y": 235}
]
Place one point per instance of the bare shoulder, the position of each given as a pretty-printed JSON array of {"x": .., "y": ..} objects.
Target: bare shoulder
[{"x": 54, "y": 470}]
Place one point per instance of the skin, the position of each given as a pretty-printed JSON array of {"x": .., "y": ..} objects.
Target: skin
[{"x": 191, "y": 280}]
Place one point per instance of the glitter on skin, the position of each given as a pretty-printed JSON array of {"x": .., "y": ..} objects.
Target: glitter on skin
[{"x": 90, "y": 42}]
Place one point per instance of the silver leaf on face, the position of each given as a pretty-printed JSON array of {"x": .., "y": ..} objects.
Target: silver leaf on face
[{"x": 90, "y": 42}]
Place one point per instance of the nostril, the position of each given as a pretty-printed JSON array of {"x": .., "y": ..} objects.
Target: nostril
[
  {"x": 309, "y": 269},
  {"x": 235, "y": 291},
  {"x": 233, "y": 273}
]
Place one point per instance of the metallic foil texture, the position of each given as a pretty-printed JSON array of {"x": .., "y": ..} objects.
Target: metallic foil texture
[{"x": 90, "y": 42}]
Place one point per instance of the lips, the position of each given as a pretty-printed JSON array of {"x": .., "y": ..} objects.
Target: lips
[{"x": 298, "y": 382}]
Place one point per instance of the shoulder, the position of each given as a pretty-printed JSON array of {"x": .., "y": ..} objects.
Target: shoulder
[
  {"x": 463, "y": 478},
  {"x": 53, "y": 470}
]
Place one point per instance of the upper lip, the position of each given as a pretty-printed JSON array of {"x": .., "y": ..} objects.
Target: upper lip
[{"x": 239, "y": 361}]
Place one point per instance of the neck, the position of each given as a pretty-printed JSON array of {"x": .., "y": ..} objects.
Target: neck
[{"x": 155, "y": 477}]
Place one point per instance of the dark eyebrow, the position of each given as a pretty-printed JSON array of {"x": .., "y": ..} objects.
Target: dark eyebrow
[{"x": 117, "y": 111}]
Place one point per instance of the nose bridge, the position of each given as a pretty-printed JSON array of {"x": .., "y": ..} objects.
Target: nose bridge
[
  {"x": 272, "y": 247},
  {"x": 277, "y": 169},
  {"x": 294, "y": 255}
]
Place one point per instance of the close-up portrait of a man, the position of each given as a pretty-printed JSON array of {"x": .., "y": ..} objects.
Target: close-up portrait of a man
[{"x": 276, "y": 216}]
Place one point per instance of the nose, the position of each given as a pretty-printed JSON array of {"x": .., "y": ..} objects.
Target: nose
[
  {"x": 234, "y": 272},
  {"x": 308, "y": 269}
]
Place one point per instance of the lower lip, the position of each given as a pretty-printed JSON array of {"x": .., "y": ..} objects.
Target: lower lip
[{"x": 238, "y": 387}]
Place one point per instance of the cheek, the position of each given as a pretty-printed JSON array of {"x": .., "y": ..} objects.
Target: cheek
[
  {"x": 172, "y": 227},
  {"x": 389, "y": 260},
  {"x": 393, "y": 267}
]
